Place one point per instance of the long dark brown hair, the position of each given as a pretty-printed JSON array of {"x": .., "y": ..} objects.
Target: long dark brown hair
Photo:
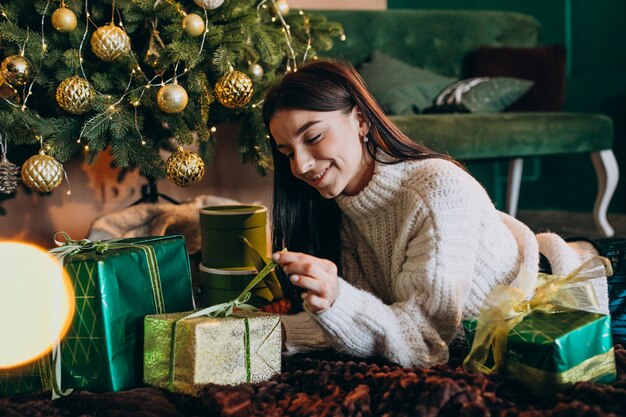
[{"x": 304, "y": 221}]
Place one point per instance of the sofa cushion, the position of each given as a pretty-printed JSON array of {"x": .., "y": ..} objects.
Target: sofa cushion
[
  {"x": 401, "y": 88},
  {"x": 470, "y": 136},
  {"x": 544, "y": 65},
  {"x": 480, "y": 95}
]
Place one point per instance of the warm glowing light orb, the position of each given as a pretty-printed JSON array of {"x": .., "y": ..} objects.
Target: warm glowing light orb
[{"x": 36, "y": 303}]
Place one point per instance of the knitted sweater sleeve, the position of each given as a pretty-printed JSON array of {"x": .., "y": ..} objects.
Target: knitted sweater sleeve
[
  {"x": 302, "y": 332},
  {"x": 428, "y": 291}
]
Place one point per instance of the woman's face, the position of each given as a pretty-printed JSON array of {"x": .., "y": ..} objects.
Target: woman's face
[{"x": 325, "y": 149}]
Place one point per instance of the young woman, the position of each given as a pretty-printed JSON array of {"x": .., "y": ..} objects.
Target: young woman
[{"x": 390, "y": 244}]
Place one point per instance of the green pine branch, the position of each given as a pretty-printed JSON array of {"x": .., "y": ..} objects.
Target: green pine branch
[{"x": 124, "y": 112}]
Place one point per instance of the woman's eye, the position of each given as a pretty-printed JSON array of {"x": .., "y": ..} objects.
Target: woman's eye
[{"x": 314, "y": 139}]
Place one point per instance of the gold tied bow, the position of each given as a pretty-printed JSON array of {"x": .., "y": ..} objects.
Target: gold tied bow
[{"x": 506, "y": 306}]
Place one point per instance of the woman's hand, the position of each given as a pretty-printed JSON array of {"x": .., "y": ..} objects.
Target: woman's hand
[{"x": 317, "y": 276}]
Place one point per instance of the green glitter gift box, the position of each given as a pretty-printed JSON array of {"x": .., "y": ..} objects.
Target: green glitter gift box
[
  {"x": 183, "y": 355},
  {"x": 116, "y": 284},
  {"x": 227, "y": 343}
]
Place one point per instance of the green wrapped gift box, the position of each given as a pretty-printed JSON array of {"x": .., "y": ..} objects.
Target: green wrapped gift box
[
  {"x": 114, "y": 290},
  {"x": 26, "y": 378},
  {"x": 548, "y": 352}
]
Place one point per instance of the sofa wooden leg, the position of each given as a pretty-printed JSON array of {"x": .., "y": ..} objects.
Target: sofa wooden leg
[
  {"x": 514, "y": 181},
  {"x": 607, "y": 173}
]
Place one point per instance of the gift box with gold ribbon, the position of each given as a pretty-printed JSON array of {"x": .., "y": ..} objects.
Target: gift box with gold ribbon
[
  {"x": 116, "y": 284},
  {"x": 549, "y": 341},
  {"x": 228, "y": 343}
]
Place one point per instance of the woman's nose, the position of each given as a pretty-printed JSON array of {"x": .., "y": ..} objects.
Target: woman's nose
[{"x": 302, "y": 162}]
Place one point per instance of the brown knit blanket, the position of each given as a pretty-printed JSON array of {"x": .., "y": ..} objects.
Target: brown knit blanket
[{"x": 327, "y": 384}]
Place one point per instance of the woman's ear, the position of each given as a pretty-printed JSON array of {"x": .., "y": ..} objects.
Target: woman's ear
[{"x": 362, "y": 124}]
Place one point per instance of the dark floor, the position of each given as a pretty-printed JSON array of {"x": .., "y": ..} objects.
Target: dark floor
[{"x": 570, "y": 224}]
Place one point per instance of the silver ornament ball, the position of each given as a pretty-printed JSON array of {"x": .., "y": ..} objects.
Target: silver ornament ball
[
  {"x": 209, "y": 4},
  {"x": 256, "y": 71}
]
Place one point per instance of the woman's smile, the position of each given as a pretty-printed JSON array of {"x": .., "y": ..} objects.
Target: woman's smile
[{"x": 317, "y": 178}]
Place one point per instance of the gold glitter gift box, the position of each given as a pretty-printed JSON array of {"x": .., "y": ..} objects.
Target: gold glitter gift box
[{"x": 183, "y": 354}]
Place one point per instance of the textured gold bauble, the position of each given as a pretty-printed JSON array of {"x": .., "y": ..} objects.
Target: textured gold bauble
[
  {"x": 193, "y": 25},
  {"x": 256, "y": 70},
  {"x": 42, "y": 173},
  {"x": 184, "y": 168},
  {"x": 16, "y": 70},
  {"x": 234, "y": 89},
  {"x": 209, "y": 4},
  {"x": 279, "y": 6},
  {"x": 172, "y": 98},
  {"x": 6, "y": 91},
  {"x": 110, "y": 42},
  {"x": 74, "y": 95},
  {"x": 64, "y": 20}
]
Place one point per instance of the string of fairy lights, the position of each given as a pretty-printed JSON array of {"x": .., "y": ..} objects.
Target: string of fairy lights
[{"x": 75, "y": 94}]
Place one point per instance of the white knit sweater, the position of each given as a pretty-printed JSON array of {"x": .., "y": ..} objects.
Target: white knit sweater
[{"x": 422, "y": 245}]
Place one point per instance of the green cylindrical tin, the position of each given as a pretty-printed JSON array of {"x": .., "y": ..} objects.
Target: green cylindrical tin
[
  {"x": 223, "y": 228},
  {"x": 222, "y": 285}
]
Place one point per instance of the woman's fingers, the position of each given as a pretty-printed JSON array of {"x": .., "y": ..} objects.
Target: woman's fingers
[
  {"x": 317, "y": 276},
  {"x": 306, "y": 268},
  {"x": 314, "y": 303},
  {"x": 309, "y": 283},
  {"x": 286, "y": 258}
]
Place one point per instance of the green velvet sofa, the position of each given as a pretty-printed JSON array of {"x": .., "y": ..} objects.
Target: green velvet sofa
[{"x": 438, "y": 41}]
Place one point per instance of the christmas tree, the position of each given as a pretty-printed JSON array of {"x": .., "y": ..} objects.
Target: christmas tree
[{"x": 80, "y": 77}]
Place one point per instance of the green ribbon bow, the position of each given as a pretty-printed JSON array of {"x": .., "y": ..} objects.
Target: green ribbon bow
[
  {"x": 67, "y": 246},
  {"x": 226, "y": 309}
]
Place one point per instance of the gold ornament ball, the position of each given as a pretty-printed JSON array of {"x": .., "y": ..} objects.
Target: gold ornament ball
[
  {"x": 74, "y": 95},
  {"x": 256, "y": 70},
  {"x": 42, "y": 173},
  {"x": 193, "y": 24},
  {"x": 16, "y": 70},
  {"x": 234, "y": 89},
  {"x": 184, "y": 168},
  {"x": 209, "y": 4},
  {"x": 64, "y": 20},
  {"x": 110, "y": 42},
  {"x": 279, "y": 6},
  {"x": 172, "y": 98}
]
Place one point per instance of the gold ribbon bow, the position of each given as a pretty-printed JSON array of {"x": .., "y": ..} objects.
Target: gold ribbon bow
[{"x": 506, "y": 306}]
